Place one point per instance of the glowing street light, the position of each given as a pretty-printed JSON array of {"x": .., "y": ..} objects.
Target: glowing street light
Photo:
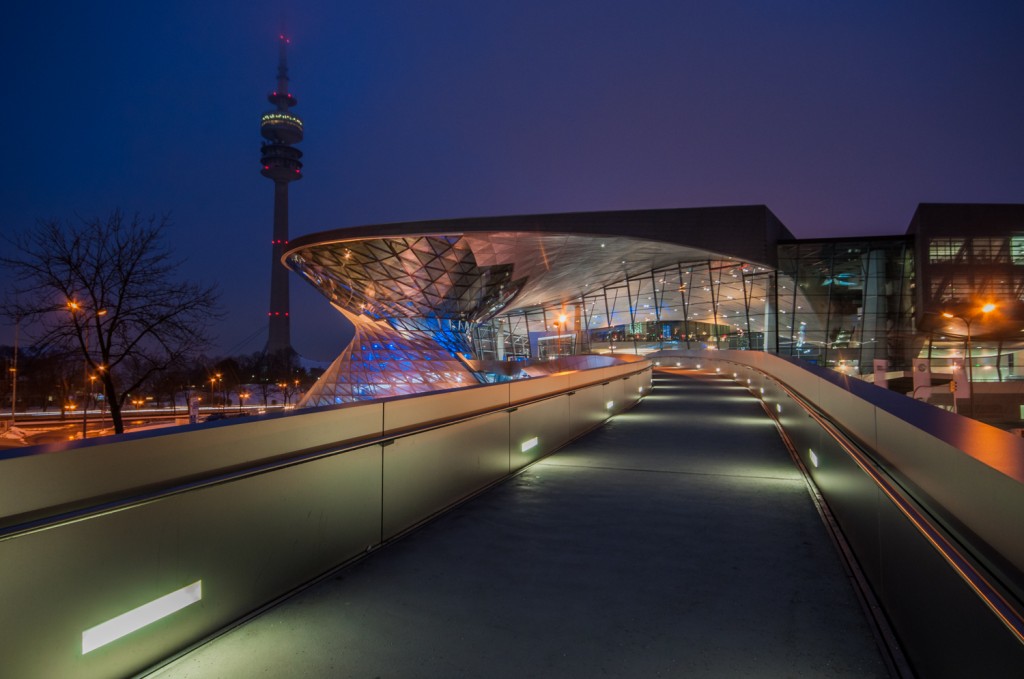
[
  {"x": 75, "y": 307},
  {"x": 968, "y": 319},
  {"x": 213, "y": 385}
]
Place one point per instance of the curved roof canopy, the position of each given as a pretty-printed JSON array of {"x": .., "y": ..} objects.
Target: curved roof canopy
[{"x": 472, "y": 270}]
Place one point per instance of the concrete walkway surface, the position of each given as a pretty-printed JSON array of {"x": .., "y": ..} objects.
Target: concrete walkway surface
[{"x": 678, "y": 540}]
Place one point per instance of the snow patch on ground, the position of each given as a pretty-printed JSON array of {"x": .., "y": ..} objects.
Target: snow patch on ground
[{"x": 14, "y": 434}]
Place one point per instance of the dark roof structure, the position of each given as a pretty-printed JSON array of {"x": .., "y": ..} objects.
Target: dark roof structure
[{"x": 473, "y": 269}]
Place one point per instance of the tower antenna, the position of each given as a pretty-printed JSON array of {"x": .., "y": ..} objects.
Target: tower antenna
[{"x": 282, "y": 162}]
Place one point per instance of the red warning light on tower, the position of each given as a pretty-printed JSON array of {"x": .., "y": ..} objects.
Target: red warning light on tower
[{"x": 281, "y": 162}]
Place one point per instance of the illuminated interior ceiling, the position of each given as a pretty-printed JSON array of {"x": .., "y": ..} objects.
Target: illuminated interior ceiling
[{"x": 475, "y": 276}]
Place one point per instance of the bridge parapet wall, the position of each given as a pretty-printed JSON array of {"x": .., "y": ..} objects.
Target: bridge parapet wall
[
  {"x": 245, "y": 511},
  {"x": 929, "y": 502}
]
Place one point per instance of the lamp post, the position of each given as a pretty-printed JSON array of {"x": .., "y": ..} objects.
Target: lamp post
[
  {"x": 92, "y": 393},
  {"x": 103, "y": 406},
  {"x": 74, "y": 307},
  {"x": 968, "y": 319},
  {"x": 213, "y": 387},
  {"x": 14, "y": 371}
]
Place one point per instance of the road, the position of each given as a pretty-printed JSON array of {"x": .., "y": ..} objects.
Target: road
[{"x": 43, "y": 429}]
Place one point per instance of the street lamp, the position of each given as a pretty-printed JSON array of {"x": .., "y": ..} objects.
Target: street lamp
[
  {"x": 968, "y": 319},
  {"x": 14, "y": 389},
  {"x": 14, "y": 371},
  {"x": 74, "y": 307},
  {"x": 213, "y": 386},
  {"x": 103, "y": 406}
]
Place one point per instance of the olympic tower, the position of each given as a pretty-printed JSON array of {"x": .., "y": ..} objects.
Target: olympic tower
[{"x": 282, "y": 163}]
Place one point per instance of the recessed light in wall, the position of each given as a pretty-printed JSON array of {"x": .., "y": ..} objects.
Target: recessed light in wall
[{"x": 137, "y": 618}]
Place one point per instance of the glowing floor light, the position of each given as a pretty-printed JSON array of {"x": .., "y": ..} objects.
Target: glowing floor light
[
  {"x": 137, "y": 618},
  {"x": 814, "y": 458},
  {"x": 528, "y": 444}
]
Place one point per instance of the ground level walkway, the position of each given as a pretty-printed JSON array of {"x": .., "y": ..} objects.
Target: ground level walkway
[{"x": 679, "y": 540}]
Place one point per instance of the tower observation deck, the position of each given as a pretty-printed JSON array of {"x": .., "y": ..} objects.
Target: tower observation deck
[{"x": 283, "y": 164}]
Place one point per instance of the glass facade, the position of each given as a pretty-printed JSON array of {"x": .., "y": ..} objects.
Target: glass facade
[
  {"x": 958, "y": 278},
  {"x": 833, "y": 303},
  {"x": 434, "y": 310},
  {"x": 982, "y": 267},
  {"x": 383, "y": 361},
  {"x": 845, "y": 302},
  {"x": 722, "y": 304}
]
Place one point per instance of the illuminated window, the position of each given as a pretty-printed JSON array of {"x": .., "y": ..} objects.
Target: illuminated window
[
  {"x": 1017, "y": 249},
  {"x": 944, "y": 249}
]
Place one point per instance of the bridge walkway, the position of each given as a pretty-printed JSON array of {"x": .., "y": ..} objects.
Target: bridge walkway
[{"x": 677, "y": 540}]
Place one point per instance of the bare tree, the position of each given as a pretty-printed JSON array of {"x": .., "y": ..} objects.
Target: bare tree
[
  {"x": 105, "y": 288},
  {"x": 272, "y": 372}
]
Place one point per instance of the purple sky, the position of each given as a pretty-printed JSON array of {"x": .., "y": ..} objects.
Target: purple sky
[{"x": 840, "y": 117}]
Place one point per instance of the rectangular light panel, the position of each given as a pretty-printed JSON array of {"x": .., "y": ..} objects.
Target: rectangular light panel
[
  {"x": 527, "y": 445},
  {"x": 137, "y": 618},
  {"x": 609, "y": 405},
  {"x": 814, "y": 458}
]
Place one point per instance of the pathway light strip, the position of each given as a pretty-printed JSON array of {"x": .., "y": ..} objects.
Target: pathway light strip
[{"x": 137, "y": 618}]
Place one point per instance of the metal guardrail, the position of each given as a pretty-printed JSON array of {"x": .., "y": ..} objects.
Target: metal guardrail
[
  {"x": 891, "y": 565},
  {"x": 222, "y": 538},
  {"x": 926, "y": 525}
]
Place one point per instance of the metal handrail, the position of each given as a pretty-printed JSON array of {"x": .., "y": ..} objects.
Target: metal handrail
[
  {"x": 963, "y": 566},
  {"x": 922, "y": 521},
  {"x": 140, "y": 499}
]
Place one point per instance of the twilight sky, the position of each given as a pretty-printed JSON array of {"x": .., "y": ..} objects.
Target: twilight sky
[{"x": 840, "y": 116}]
